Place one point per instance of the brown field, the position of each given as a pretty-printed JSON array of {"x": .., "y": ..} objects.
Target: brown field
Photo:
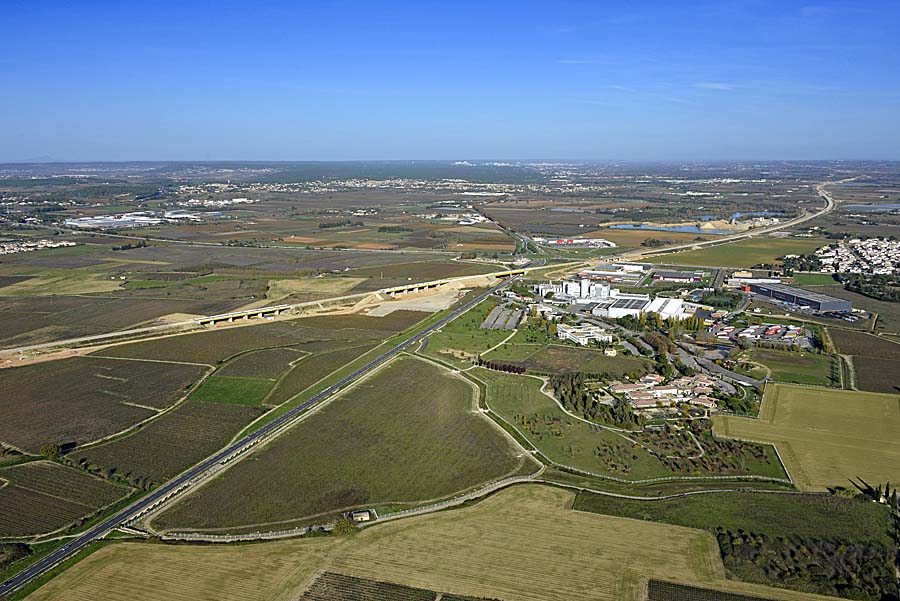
[
  {"x": 876, "y": 360},
  {"x": 215, "y": 345},
  {"x": 80, "y": 399},
  {"x": 385, "y": 441},
  {"x": 422, "y": 270},
  {"x": 522, "y": 544},
  {"x": 42, "y": 497},
  {"x": 310, "y": 370},
  {"x": 172, "y": 443},
  {"x": 371, "y": 246},
  {"x": 33, "y": 320},
  {"x": 304, "y": 240},
  {"x": 323, "y": 287},
  {"x": 467, "y": 246}
]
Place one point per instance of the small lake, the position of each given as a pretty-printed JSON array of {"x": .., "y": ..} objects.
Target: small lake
[
  {"x": 690, "y": 229},
  {"x": 874, "y": 208}
]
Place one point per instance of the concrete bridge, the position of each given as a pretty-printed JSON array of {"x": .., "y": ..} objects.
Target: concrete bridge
[{"x": 247, "y": 314}]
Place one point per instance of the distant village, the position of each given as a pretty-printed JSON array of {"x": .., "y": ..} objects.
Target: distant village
[
  {"x": 10, "y": 248},
  {"x": 872, "y": 256}
]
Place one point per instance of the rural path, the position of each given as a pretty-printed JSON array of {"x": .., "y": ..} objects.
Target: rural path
[{"x": 501, "y": 343}]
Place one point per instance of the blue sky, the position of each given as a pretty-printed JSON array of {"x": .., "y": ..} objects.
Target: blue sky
[{"x": 449, "y": 80}]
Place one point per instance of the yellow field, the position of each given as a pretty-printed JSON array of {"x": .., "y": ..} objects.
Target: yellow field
[
  {"x": 825, "y": 437},
  {"x": 72, "y": 282},
  {"x": 325, "y": 286},
  {"x": 521, "y": 544}
]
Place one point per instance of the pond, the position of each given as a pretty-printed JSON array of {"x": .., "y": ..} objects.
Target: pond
[{"x": 690, "y": 229}]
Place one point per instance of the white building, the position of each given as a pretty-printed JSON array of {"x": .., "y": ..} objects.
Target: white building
[
  {"x": 612, "y": 303},
  {"x": 582, "y": 334}
]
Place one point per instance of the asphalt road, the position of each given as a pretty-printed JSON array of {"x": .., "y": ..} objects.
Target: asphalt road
[
  {"x": 98, "y": 531},
  {"x": 820, "y": 190}
]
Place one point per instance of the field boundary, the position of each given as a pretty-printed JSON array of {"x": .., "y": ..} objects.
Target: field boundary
[
  {"x": 566, "y": 468},
  {"x": 516, "y": 449}
]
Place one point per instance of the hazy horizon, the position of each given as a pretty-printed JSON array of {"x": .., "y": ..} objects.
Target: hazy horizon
[{"x": 699, "y": 81}]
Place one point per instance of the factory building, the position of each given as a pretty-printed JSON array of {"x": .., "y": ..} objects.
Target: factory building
[
  {"x": 603, "y": 301},
  {"x": 799, "y": 297}
]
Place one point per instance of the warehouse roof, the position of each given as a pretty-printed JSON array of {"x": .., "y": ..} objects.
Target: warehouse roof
[{"x": 807, "y": 294}]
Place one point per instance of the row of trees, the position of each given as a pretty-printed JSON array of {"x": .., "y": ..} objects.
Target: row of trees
[
  {"x": 497, "y": 366},
  {"x": 324, "y": 225}
]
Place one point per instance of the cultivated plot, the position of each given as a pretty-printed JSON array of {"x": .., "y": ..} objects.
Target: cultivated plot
[
  {"x": 744, "y": 253},
  {"x": 170, "y": 444},
  {"x": 506, "y": 547},
  {"x": 77, "y": 400},
  {"x": 42, "y": 496},
  {"x": 404, "y": 435},
  {"x": 876, "y": 360},
  {"x": 826, "y": 437}
]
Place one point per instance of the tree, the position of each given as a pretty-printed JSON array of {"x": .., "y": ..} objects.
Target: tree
[
  {"x": 51, "y": 451},
  {"x": 344, "y": 525}
]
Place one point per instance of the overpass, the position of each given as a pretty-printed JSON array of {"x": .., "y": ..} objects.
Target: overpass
[
  {"x": 248, "y": 314},
  {"x": 133, "y": 334}
]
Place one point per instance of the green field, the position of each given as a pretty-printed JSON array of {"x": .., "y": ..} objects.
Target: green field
[
  {"x": 815, "y": 279},
  {"x": 556, "y": 358},
  {"x": 240, "y": 391},
  {"x": 571, "y": 442},
  {"x": 404, "y": 435},
  {"x": 744, "y": 253},
  {"x": 773, "y": 514},
  {"x": 462, "y": 339},
  {"x": 796, "y": 367},
  {"x": 826, "y": 437}
]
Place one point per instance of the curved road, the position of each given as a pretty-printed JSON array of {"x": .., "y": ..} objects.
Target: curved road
[
  {"x": 184, "y": 480},
  {"x": 830, "y": 204}
]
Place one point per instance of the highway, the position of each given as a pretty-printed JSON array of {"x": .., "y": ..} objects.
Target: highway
[
  {"x": 184, "y": 480},
  {"x": 830, "y": 204}
]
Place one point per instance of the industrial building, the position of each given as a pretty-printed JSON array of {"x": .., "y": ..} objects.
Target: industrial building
[
  {"x": 799, "y": 297},
  {"x": 603, "y": 301},
  {"x": 627, "y": 273},
  {"x": 681, "y": 277}
]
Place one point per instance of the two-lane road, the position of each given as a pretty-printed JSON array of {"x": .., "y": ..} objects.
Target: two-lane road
[{"x": 183, "y": 481}]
